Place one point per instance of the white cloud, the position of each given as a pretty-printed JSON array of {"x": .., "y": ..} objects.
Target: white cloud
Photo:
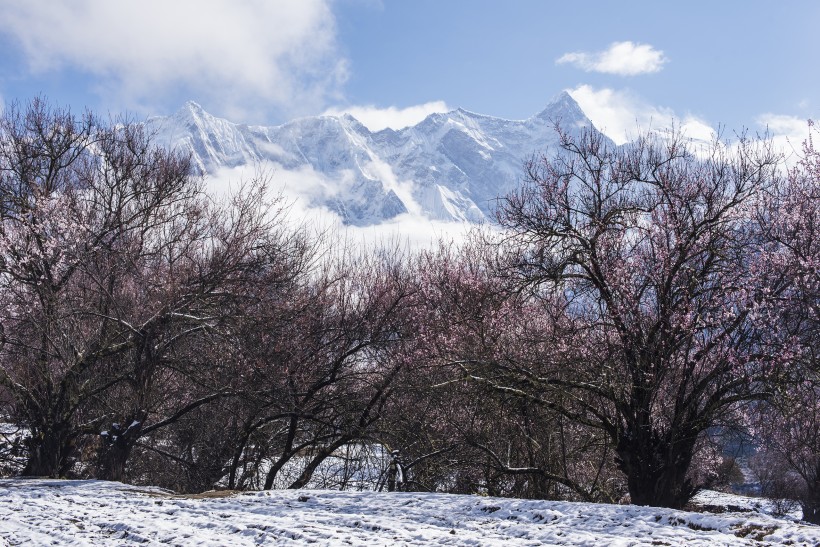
[
  {"x": 225, "y": 54},
  {"x": 623, "y": 58},
  {"x": 787, "y": 132},
  {"x": 696, "y": 129},
  {"x": 779, "y": 124},
  {"x": 376, "y": 119},
  {"x": 300, "y": 188},
  {"x": 622, "y": 116},
  {"x": 380, "y": 170}
]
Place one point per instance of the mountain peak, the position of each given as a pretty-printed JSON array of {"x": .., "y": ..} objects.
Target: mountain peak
[
  {"x": 191, "y": 111},
  {"x": 192, "y": 108},
  {"x": 353, "y": 122},
  {"x": 563, "y": 108}
]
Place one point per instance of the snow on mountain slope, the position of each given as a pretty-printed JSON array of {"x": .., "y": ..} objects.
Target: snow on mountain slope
[
  {"x": 53, "y": 512},
  {"x": 449, "y": 167}
]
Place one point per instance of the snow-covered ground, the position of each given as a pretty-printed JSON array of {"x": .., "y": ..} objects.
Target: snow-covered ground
[{"x": 53, "y": 512}]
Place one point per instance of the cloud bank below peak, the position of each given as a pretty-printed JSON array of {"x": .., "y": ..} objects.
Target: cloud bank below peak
[{"x": 376, "y": 118}]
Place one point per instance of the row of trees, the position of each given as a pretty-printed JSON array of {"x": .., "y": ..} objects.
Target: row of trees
[{"x": 638, "y": 305}]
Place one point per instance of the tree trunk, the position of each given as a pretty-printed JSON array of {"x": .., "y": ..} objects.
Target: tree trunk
[
  {"x": 811, "y": 500},
  {"x": 50, "y": 448},
  {"x": 321, "y": 456},
  {"x": 287, "y": 454},
  {"x": 656, "y": 470},
  {"x": 235, "y": 459},
  {"x": 112, "y": 462},
  {"x": 811, "y": 512},
  {"x": 117, "y": 445}
]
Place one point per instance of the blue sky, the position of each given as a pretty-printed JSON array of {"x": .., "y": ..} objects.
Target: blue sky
[{"x": 390, "y": 62}]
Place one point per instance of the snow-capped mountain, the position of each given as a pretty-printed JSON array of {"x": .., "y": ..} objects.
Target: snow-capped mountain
[{"x": 451, "y": 166}]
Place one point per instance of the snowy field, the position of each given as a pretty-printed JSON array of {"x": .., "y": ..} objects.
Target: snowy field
[{"x": 53, "y": 512}]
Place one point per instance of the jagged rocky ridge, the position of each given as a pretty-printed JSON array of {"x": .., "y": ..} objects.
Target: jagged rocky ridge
[{"x": 451, "y": 166}]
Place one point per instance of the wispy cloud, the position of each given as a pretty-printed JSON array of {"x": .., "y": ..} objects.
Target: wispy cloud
[
  {"x": 786, "y": 132},
  {"x": 375, "y": 118},
  {"x": 622, "y": 115},
  {"x": 228, "y": 55},
  {"x": 622, "y": 58},
  {"x": 780, "y": 124}
]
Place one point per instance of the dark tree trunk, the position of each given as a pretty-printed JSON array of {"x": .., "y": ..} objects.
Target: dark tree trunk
[
  {"x": 811, "y": 500},
  {"x": 117, "y": 444},
  {"x": 50, "y": 449},
  {"x": 392, "y": 474},
  {"x": 811, "y": 511},
  {"x": 275, "y": 468},
  {"x": 112, "y": 461},
  {"x": 317, "y": 460},
  {"x": 287, "y": 454},
  {"x": 235, "y": 459},
  {"x": 656, "y": 470}
]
